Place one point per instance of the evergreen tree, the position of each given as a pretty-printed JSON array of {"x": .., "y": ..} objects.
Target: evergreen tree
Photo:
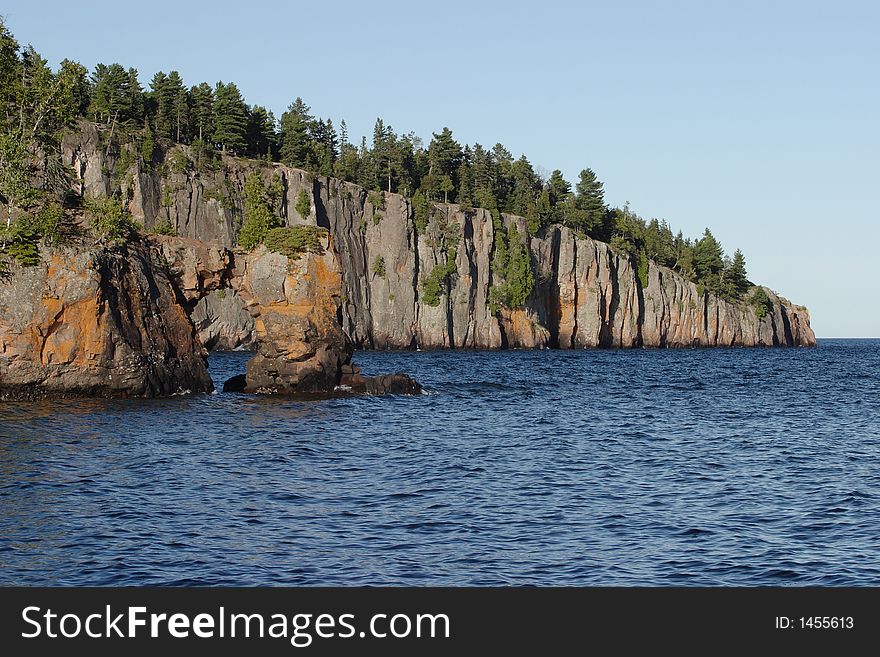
[
  {"x": 708, "y": 262},
  {"x": 296, "y": 136},
  {"x": 261, "y": 137},
  {"x": 163, "y": 114},
  {"x": 589, "y": 204},
  {"x": 116, "y": 95},
  {"x": 465, "y": 192},
  {"x": 230, "y": 118},
  {"x": 182, "y": 117},
  {"x": 444, "y": 156},
  {"x": 75, "y": 77},
  {"x": 525, "y": 187},
  {"x": 502, "y": 162},
  {"x": 326, "y": 147},
  {"x": 148, "y": 145},
  {"x": 201, "y": 100},
  {"x": 558, "y": 193},
  {"x": 383, "y": 153},
  {"x": 259, "y": 218},
  {"x": 736, "y": 276}
]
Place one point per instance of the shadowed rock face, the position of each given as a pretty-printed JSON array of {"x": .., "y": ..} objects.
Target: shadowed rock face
[
  {"x": 587, "y": 295},
  {"x": 100, "y": 322}
]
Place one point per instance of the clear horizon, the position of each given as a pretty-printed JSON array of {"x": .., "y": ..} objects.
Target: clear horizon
[{"x": 756, "y": 121}]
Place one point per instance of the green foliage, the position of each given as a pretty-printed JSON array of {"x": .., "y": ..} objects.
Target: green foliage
[
  {"x": 761, "y": 303},
  {"x": 261, "y": 138},
  {"x": 230, "y": 118},
  {"x": 110, "y": 218},
  {"x": 49, "y": 224},
  {"x": 587, "y": 211},
  {"x": 296, "y": 128},
  {"x": 20, "y": 242},
  {"x": 434, "y": 285},
  {"x": 165, "y": 227},
  {"x": 179, "y": 162},
  {"x": 513, "y": 266},
  {"x": 148, "y": 146},
  {"x": 378, "y": 267},
  {"x": 377, "y": 199},
  {"x": 421, "y": 211},
  {"x": 117, "y": 96},
  {"x": 736, "y": 276},
  {"x": 293, "y": 241},
  {"x": 303, "y": 204},
  {"x": 643, "y": 270},
  {"x": 258, "y": 216},
  {"x": 377, "y": 218}
]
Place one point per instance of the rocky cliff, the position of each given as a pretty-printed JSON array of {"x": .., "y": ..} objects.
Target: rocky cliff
[
  {"x": 103, "y": 321},
  {"x": 586, "y": 294}
]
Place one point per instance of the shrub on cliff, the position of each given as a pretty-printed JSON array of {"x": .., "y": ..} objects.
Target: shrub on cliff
[
  {"x": 165, "y": 227},
  {"x": 21, "y": 240},
  {"x": 293, "y": 241},
  {"x": 512, "y": 265},
  {"x": 303, "y": 204},
  {"x": 434, "y": 285},
  {"x": 258, "y": 216},
  {"x": 760, "y": 302},
  {"x": 110, "y": 218}
]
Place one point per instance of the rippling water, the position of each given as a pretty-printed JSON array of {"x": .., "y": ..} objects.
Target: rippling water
[{"x": 659, "y": 467}]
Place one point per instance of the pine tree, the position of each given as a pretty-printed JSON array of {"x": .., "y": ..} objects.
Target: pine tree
[
  {"x": 162, "y": 101},
  {"x": 559, "y": 191},
  {"x": 444, "y": 156},
  {"x": 524, "y": 187},
  {"x": 230, "y": 118},
  {"x": 383, "y": 153},
  {"x": 736, "y": 276},
  {"x": 296, "y": 136},
  {"x": 202, "y": 102},
  {"x": 708, "y": 262},
  {"x": 261, "y": 137},
  {"x": 589, "y": 202},
  {"x": 326, "y": 146},
  {"x": 117, "y": 96},
  {"x": 179, "y": 108}
]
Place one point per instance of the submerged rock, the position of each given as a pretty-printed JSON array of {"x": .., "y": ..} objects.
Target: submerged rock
[
  {"x": 392, "y": 384},
  {"x": 104, "y": 321}
]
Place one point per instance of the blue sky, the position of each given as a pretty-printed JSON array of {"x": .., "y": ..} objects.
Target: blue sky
[{"x": 757, "y": 119}]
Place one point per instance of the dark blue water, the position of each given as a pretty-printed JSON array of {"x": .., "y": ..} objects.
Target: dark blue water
[{"x": 692, "y": 467}]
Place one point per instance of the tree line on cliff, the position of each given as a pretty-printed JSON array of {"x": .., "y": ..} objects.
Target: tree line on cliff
[{"x": 38, "y": 104}]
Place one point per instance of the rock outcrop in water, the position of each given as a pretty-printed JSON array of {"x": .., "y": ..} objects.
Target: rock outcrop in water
[
  {"x": 104, "y": 321},
  {"x": 586, "y": 295},
  {"x": 292, "y": 304}
]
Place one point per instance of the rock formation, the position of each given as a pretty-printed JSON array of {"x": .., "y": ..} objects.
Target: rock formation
[
  {"x": 104, "y": 321},
  {"x": 587, "y": 295},
  {"x": 292, "y": 304}
]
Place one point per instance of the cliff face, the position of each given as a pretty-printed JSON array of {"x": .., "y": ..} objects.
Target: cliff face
[
  {"x": 98, "y": 322},
  {"x": 586, "y": 294}
]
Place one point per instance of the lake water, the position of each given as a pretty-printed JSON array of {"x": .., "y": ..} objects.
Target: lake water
[{"x": 657, "y": 467}]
